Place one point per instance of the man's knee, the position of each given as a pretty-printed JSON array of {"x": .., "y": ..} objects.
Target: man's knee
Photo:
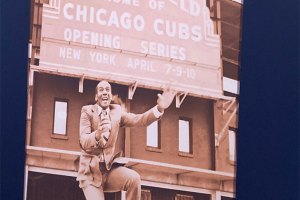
[
  {"x": 133, "y": 179},
  {"x": 136, "y": 178}
]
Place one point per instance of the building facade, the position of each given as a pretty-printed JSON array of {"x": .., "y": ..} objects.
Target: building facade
[{"x": 189, "y": 153}]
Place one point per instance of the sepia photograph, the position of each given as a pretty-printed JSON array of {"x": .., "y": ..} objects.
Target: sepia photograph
[{"x": 133, "y": 99}]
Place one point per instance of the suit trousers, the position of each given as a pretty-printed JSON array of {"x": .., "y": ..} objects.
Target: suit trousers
[{"x": 116, "y": 179}]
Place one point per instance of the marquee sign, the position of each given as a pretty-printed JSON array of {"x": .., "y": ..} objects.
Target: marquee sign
[{"x": 153, "y": 41}]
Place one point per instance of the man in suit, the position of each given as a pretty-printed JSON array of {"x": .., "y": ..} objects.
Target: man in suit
[{"x": 99, "y": 127}]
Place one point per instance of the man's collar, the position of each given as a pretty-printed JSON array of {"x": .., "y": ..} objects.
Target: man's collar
[{"x": 100, "y": 109}]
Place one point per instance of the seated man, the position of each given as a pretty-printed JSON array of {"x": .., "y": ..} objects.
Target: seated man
[{"x": 99, "y": 127}]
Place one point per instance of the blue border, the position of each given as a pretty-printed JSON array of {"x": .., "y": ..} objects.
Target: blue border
[
  {"x": 14, "y": 47},
  {"x": 268, "y": 140}
]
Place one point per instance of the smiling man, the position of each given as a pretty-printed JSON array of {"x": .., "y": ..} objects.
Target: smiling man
[{"x": 99, "y": 127}]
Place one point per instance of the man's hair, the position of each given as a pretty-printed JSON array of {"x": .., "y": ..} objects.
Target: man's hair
[{"x": 96, "y": 89}]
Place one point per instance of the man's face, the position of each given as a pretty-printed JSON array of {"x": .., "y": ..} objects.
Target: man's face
[{"x": 103, "y": 95}]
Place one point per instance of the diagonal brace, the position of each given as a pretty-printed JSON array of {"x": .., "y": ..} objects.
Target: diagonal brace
[
  {"x": 131, "y": 90},
  {"x": 180, "y": 98},
  {"x": 230, "y": 105},
  {"x": 220, "y": 136}
]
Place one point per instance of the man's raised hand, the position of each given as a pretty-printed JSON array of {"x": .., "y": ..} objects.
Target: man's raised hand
[{"x": 165, "y": 99}]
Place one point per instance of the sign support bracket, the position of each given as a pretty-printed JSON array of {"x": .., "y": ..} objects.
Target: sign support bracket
[
  {"x": 80, "y": 88},
  {"x": 180, "y": 98},
  {"x": 220, "y": 136},
  {"x": 131, "y": 90},
  {"x": 31, "y": 77},
  {"x": 230, "y": 105}
]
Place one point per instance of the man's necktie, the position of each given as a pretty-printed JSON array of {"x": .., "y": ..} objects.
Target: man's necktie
[{"x": 103, "y": 116}]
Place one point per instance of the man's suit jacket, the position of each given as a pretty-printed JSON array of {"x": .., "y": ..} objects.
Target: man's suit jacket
[{"x": 89, "y": 172}]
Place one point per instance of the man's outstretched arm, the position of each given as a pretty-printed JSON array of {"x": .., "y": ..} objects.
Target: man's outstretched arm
[{"x": 164, "y": 100}]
